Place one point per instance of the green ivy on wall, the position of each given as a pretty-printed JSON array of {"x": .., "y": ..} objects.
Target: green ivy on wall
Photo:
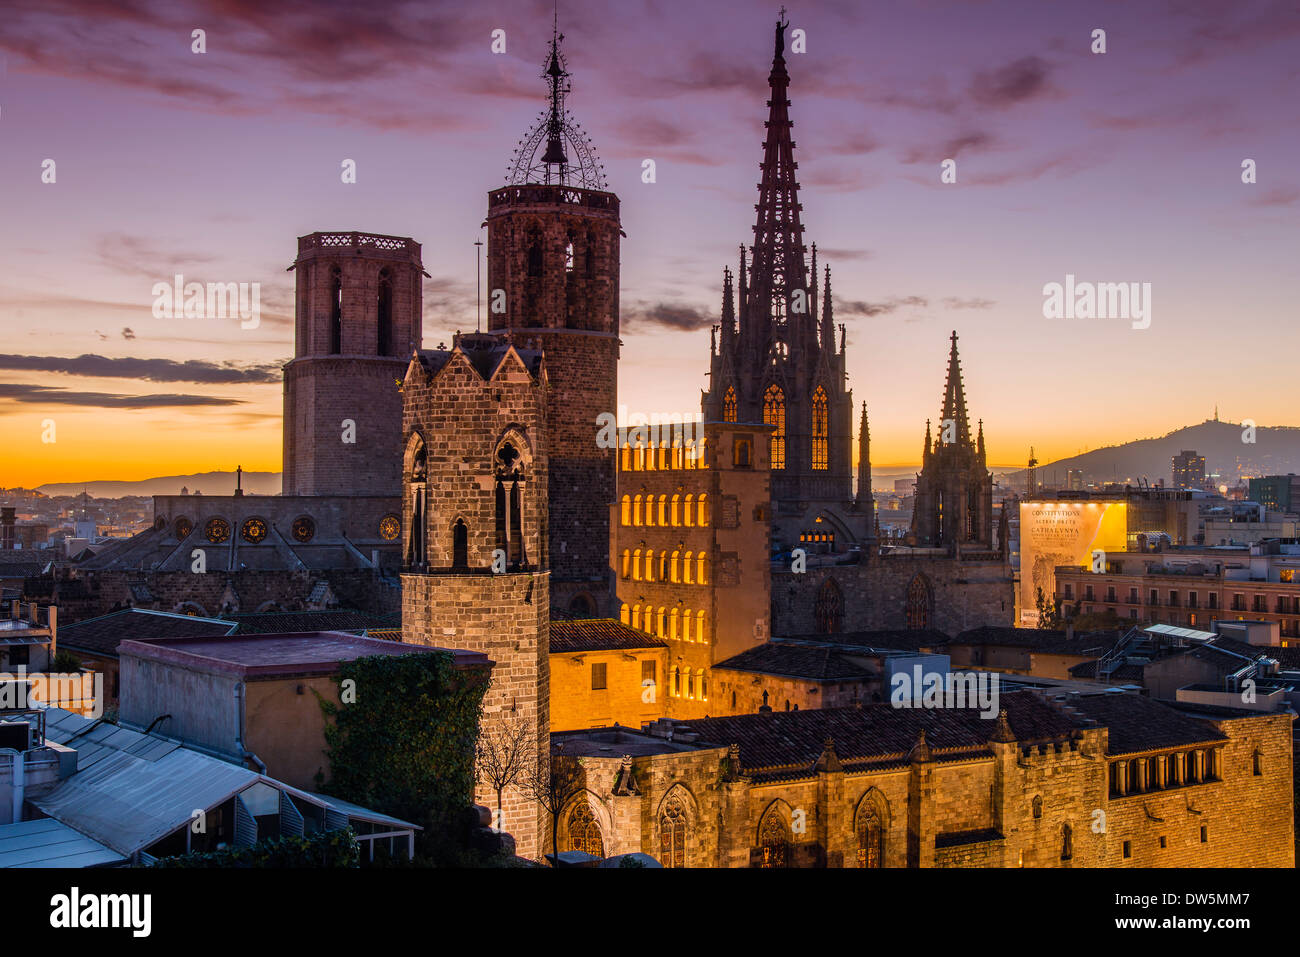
[{"x": 400, "y": 740}]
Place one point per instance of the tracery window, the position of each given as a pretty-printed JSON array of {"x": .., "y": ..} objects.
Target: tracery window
[
  {"x": 774, "y": 414},
  {"x": 871, "y": 840},
  {"x": 820, "y": 430},
  {"x": 773, "y": 842},
  {"x": 584, "y": 832},
  {"x": 829, "y": 608},
  {"x": 729, "y": 405},
  {"x": 918, "y": 603},
  {"x": 672, "y": 833}
]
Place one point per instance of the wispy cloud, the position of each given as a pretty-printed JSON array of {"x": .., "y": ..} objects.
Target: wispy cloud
[
  {"x": 150, "y": 370},
  {"x": 46, "y": 395}
]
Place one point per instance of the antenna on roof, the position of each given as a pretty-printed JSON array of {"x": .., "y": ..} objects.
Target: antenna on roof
[{"x": 478, "y": 286}]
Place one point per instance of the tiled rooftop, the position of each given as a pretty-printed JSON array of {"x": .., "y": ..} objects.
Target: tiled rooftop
[
  {"x": 598, "y": 634},
  {"x": 814, "y": 662}
]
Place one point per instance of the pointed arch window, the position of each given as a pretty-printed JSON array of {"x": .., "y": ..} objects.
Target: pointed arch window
[
  {"x": 336, "y": 310},
  {"x": 584, "y": 832},
  {"x": 672, "y": 832},
  {"x": 384, "y": 313},
  {"x": 509, "y": 504},
  {"x": 729, "y": 405},
  {"x": 460, "y": 545},
  {"x": 568, "y": 256},
  {"x": 774, "y": 414},
  {"x": 820, "y": 430},
  {"x": 918, "y": 603},
  {"x": 773, "y": 842},
  {"x": 871, "y": 840},
  {"x": 829, "y": 608},
  {"x": 534, "y": 253}
]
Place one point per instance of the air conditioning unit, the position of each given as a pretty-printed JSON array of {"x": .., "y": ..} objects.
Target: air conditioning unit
[{"x": 16, "y": 735}]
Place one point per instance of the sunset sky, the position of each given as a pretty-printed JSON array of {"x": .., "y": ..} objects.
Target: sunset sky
[{"x": 1121, "y": 167}]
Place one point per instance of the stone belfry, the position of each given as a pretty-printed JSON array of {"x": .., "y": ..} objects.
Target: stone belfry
[
  {"x": 954, "y": 490},
  {"x": 358, "y": 318},
  {"x": 553, "y": 273},
  {"x": 776, "y": 359}
]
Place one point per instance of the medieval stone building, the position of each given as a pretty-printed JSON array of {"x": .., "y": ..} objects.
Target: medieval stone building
[{"x": 1101, "y": 781}]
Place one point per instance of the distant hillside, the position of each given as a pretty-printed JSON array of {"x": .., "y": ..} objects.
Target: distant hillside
[
  {"x": 1276, "y": 451},
  {"x": 209, "y": 483}
]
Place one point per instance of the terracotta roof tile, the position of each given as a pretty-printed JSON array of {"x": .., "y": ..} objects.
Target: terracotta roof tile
[{"x": 598, "y": 634}]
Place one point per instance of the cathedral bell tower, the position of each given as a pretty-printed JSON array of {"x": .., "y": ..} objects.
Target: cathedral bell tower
[
  {"x": 358, "y": 318},
  {"x": 553, "y": 273},
  {"x": 474, "y": 512}
]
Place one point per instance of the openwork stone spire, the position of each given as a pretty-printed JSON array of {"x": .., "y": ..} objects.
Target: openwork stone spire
[
  {"x": 778, "y": 266},
  {"x": 556, "y": 151},
  {"x": 954, "y": 397}
]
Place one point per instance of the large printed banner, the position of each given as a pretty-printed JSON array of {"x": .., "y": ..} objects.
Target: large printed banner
[{"x": 1063, "y": 533}]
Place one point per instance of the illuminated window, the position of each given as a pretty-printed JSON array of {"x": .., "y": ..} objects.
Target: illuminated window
[
  {"x": 636, "y": 617},
  {"x": 702, "y": 570},
  {"x": 624, "y": 614},
  {"x": 677, "y": 501},
  {"x": 672, "y": 832},
  {"x": 636, "y": 565},
  {"x": 636, "y": 510},
  {"x": 663, "y": 509},
  {"x": 627, "y": 458},
  {"x": 649, "y": 565},
  {"x": 676, "y": 571},
  {"x": 584, "y": 832},
  {"x": 699, "y": 626},
  {"x": 703, "y": 518},
  {"x": 627, "y": 563},
  {"x": 773, "y": 841},
  {"x": 820, "y": 429},
  {"x": 662, "y": 617},
  {"x": 774, "y": 414},
  {"x": 686, "y": 625},
  {"x": 688, "y": 570},
  {"x": 626, "y": 511},
  {"x": 729, "y": 405},
  {"x": 688, "y": 513},
  {"x": 673, "y": 621}
]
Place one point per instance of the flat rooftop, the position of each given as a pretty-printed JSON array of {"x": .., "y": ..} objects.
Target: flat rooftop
[{"x": 274, "y": 655}]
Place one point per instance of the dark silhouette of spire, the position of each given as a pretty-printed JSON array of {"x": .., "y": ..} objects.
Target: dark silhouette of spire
[
  {"x": 954, "y": 396},
  {"x": 778, "y": 267},
  {"x": 728, "y": 306},
  {"x": 828, "y": 315}
]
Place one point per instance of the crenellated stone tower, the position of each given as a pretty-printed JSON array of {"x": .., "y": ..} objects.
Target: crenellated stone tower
[
  {"x": 358, "y": 318},
  {"x": 553, "y": 273},
  {"x": 474, "y": 497}
]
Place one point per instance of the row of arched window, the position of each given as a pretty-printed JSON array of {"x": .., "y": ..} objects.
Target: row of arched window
[
  {"x": 383, "y": 312},
  {"x": 679, "y": 816},
  {"x": 669, "y": 623},
  {"x": 645, "y": 458},
  {"x": 690, "y": 569},
  {"x": 774, "y": 415},
  {"x": 1164, "y": 771},
  {"x": 674, "y": 512},
  {"x": 682, "y": 683}
]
